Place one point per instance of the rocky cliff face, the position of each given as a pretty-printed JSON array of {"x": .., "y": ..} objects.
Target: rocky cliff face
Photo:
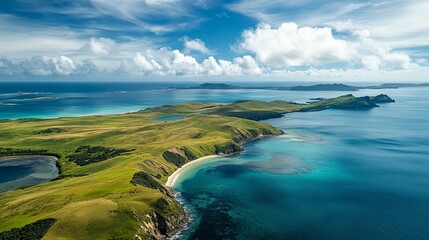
[
  {"x": 180, "y": 155},
  {"x": 160, "y": 227},
  {"x": 169, "y": 216}
]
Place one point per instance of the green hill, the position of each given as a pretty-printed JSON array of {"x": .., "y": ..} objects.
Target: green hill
[{"x": 113, "y": 167}]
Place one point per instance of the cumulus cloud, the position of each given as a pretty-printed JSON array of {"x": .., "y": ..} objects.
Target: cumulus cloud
[
  {"x": 161, "y": 62},
  {"x": 7, "y": 68},
  {"x": 398, "y": 23},
  {"x": 245, "y": 65},
  {"x": 47, "y": 66},
  {"x": 290, "y": 45},
  {"x": 293, "y": 46},
  {"x": 195, "y": 45},
  {"x": 376, "y": 56},
  {"x": 101, "y": 46},
  {"x": 165, "y": 62}
]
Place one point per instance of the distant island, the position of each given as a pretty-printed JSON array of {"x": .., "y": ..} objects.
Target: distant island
[
  {"x": 317, "y": 87},
  {"x": 113, "y": 168}
]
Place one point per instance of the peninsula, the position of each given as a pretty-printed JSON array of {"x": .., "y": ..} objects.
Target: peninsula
[
  {"x": 113, "y": 168},
  {"x": 317, "y": 87}
]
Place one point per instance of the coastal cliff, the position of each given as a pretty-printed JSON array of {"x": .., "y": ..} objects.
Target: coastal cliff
[
  {"x": 164, "y": 222},
  {"x": 161, "y": 227},
  {"x": 114, "y": 167},
  {"x": 181, "y": 155}
]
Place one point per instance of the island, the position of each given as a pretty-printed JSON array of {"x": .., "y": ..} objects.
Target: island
[
  {"x": 114, "y": 168},
  {"x": 317, "y": 87}
]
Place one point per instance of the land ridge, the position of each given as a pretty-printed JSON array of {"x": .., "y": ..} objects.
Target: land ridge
[
  {"x": 114, "y": 167},
  {"x": 316, "y": 87}
]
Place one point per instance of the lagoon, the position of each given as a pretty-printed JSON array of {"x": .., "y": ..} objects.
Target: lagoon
[{"x": 24, "y": 171}]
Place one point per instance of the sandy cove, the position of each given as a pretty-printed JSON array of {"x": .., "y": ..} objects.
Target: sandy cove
[{"x": 176, "y": 174}]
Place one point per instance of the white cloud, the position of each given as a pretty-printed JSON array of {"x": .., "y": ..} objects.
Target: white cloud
[
  {"x": 144, "y": 64},
  {"x": 101, "y": 46},
  {"x": 7, "y": 68},
  {"x": 376, "y": 56},
  {"x": 195, "y": 45},
  {"x": 48, "y": 40},
  {"x": 289, "y": 45},
  {"x": 292, "y": 46},
  {"x": 175, "y": 14},
  {"x": 355, "y": 75},
  {"x": 248, "y": 65},
  {"x": 164, "y": 62},
  {"x": 26, "y": 39},
  {"x": 47, "y": 66},
  {"x": 398, "y": 23}
]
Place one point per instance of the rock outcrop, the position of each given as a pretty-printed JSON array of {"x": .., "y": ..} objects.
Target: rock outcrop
[
  {"x": 163, "y": 223},
  {"x": 382, "y": 98}
]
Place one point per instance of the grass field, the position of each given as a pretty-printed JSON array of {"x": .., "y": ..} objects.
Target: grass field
[{"x": 97, "y": 200}]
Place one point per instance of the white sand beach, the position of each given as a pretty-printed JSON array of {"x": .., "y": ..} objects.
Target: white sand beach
[{"x": 176, "y": 174}]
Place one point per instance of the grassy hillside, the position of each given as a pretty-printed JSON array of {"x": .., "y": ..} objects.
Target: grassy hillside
[
  {"x": 98, "y": 199},
  {"x": 258, "y": 110},
  {"x": 113, "y": 167}
]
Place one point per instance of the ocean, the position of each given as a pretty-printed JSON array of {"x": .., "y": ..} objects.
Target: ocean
[{"x": 335, "y": 174}]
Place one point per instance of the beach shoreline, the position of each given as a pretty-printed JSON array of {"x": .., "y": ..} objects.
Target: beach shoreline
[
  {"x": 171, "y": 180},
  {"x": 176, "y": 174}
]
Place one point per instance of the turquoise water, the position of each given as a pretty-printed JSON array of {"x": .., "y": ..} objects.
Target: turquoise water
[
  {"x": 334, "y": 175},
  {"x": 51, "y": 100},
  {"x": 23, "y": 171}
]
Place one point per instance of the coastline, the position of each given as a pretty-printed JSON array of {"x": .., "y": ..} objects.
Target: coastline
[
  {"x": 18, "y": 157},
  {"x": 25, "y": 181},
  {"x": 176, "y": 174},
  {"x": 171, "y": 180}
]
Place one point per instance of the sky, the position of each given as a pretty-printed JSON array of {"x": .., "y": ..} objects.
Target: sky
[{"x": 250, "y": 40}]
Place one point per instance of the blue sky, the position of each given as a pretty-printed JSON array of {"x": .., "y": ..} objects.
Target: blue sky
[{"x": 207, "y": 39}]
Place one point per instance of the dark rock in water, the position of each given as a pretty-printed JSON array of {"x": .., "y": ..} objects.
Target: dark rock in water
[
  {"x": 32, "y": 231},
  {"x": 216, "y": 214},
  {"x": 382, "y": 98}
]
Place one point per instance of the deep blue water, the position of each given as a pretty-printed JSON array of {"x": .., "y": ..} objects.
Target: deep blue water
[
  {"x": 51, "y": 100},
  {"x": 334, "y": 175}
]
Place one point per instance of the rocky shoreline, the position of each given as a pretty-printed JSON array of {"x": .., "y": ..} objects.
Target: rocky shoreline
[{"x": 179, "y": 223}]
